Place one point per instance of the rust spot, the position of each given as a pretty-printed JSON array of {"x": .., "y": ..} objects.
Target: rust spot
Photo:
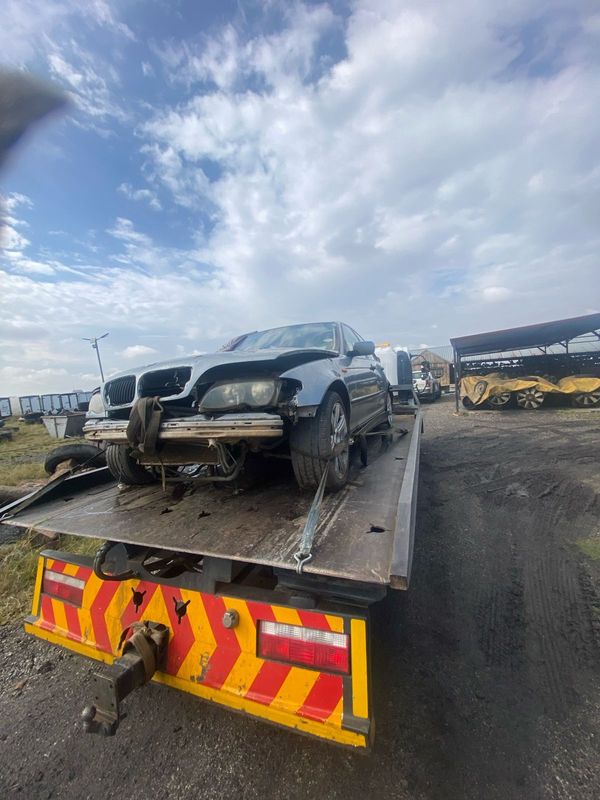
[{"x": 204, "y": 668}]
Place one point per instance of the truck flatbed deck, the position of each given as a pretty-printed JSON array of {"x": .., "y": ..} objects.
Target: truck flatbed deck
[{"x": 365, "y": 532}]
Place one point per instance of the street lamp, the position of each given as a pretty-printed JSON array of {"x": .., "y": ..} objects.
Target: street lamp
[{"x": 94, "y": 341}]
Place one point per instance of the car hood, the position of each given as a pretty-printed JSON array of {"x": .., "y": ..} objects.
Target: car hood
[
  {"x": 286, "y": 358},
  {"x": 231, "y": 364}
]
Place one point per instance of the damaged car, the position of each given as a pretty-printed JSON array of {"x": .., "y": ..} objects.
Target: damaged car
[{"x": 302, "y": 392}]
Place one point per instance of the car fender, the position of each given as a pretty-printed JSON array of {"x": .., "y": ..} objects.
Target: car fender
[{"x": 317, "y": 378}]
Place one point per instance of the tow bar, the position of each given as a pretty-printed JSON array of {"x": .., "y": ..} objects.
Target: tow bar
[{"x": 143, "y": 653}]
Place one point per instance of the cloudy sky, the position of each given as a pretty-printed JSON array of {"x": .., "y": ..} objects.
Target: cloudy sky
[{"x": 418, "y": 169}]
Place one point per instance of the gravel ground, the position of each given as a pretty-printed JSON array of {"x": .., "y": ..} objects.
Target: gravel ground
[{"x": 486, "y": 672}]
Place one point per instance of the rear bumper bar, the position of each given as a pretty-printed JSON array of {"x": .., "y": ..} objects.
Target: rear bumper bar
[
  {"x": 233, "y": 427},
  {"x": 208, "y": 658}
]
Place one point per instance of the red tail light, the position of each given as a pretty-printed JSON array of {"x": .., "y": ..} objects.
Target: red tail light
[
  {"x": 428, "y": 383},
  {"x": 306, "y": 647},
  {"x": 63, "y": 587}
]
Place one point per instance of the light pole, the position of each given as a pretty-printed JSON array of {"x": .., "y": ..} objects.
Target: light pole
[{"x": 94, "y": 342}]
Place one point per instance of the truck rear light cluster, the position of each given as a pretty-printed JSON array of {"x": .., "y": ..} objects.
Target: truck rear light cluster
[
  {"x": 306, "y": 647},
  {"x": 63, "y": 587}
]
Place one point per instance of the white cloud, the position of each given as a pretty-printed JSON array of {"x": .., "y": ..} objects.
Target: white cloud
[
  {"x": 91, "y": 91},
  {"x": 14, "y": 200},
  {"x": 137, "y": 351},
  {"x": 140, "y": 195},
  {"x": 492, "y": 294},
  {"x": 442, "y": 172},
  {"x": 29, "y": 26},
  {"x": 409, "y": 164},
  {"x": 124, "y": 230}
]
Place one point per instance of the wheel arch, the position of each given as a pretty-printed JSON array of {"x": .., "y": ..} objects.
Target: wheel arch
[
  {"x": 340, "y": 387},
  {"x": 317, "y": 379}
]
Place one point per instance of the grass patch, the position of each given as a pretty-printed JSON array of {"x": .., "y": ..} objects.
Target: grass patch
[
  {"x": 22, "y": 458},
  {"x": 590, "y": 547},
  {"x": 18, "y": 565},
  {"x": 16, "y": 474}
]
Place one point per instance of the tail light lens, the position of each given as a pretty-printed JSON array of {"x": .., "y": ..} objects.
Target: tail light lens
[
  {"x": 63, "y": 587},
  {"x": 428, "y": 383},
  {"x": 306, "y": 647}
]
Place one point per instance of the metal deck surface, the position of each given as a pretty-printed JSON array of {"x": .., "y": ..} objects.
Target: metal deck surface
[{"x": 365, "y": 531}]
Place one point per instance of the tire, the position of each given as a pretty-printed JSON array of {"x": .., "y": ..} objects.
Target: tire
[
  {"x": 499, "y": 400},
  {"x": 80, "y": 453},
  {"x": 389, "y": 411},
  {"x": 125, "y": 468},
  {"x": 587, "y": 399},
  {"x": 311, "y": 442}
]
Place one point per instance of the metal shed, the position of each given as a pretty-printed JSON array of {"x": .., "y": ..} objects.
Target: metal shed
[
  {"x": 574, "y": 343},
  {"x": 441, "y": 363}
]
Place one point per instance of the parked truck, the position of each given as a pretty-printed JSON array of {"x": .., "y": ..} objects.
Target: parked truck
[{"x": 257, "y": 599}]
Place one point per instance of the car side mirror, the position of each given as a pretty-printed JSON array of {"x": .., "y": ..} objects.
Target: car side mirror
[{"x": 363, "y": 349}]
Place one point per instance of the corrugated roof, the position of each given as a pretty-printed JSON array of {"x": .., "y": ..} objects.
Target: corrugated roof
[
  {"x": 542, "y": 334},
  {"x": 444, "y": 352}
]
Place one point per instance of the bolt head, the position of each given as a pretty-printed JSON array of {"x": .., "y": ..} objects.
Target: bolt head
[{"x": 230, "y": 618}]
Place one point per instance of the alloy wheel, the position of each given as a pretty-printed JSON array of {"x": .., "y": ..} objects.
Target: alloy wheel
[
  {"x": 339, "y": 440},
  {"x": 587, "y": 399},
  {"x": 499, "y": 400},
  {"x": 389, "y": 410},
  {"x": 530, "y": 398}
]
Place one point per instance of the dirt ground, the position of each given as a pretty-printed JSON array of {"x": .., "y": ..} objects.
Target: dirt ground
[{"x": 486, "y": 673}]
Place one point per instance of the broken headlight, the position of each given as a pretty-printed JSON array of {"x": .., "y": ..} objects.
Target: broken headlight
[
  {"x": 96, "y": 406},
  {"x": 241, "y": 394}
]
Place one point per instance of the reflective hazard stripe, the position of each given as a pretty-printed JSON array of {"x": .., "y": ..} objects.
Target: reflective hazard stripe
[{"x": 208, "y": 659}]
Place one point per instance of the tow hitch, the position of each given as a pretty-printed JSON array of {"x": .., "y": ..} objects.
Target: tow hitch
[{"x": 143, "y": 653}]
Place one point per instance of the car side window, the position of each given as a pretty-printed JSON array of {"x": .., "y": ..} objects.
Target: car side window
[{"x": 351, "y": 338}]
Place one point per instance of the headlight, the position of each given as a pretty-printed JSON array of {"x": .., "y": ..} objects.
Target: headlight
[
  {"x": 253, "y": 394},
  {"x": 96, "y": 406}
]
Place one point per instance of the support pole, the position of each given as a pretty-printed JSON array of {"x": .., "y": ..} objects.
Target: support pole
[{"x": 457, "y": 377}]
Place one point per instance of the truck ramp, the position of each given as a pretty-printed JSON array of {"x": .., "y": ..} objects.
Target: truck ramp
[{"x": 365, "y": 532}]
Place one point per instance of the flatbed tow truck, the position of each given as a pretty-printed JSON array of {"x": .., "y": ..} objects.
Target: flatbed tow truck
[{"x": 253, "y": 599}]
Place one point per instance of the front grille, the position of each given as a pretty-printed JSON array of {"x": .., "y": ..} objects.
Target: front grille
[
  {"x": 164, "y": 382},
  {"x": 120, "y": 391}
]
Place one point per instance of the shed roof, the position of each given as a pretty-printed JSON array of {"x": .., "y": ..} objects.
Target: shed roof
[
  {"x": 444, "y": 353},
  {"x": 542, "y": 334}
]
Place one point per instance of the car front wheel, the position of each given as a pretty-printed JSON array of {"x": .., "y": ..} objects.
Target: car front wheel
[
  {"x": 322, "y": 439},
  {"x": 125, "y": 468}
]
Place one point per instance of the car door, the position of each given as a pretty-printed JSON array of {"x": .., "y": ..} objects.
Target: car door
[{"x": 364, "y": 380}]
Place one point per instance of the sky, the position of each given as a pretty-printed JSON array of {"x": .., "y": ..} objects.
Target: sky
[{"x": 418, "y": 170}]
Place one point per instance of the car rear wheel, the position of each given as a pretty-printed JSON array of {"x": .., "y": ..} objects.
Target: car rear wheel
[
  {"x": 316, "y": 441},
  {"x": 125, "y": 468}
]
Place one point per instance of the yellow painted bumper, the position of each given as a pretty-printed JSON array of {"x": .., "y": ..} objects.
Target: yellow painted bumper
[{"x": 208, "y": 660}]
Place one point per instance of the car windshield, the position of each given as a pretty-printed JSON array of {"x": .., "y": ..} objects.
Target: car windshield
[
  {"x": 317, "y": 335},
  {"x": 419, "y": 374}
]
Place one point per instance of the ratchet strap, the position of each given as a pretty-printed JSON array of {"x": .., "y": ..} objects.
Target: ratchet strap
[
  {"x": 304, "y": 554},
  {"x": 144, "y": 424}
]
